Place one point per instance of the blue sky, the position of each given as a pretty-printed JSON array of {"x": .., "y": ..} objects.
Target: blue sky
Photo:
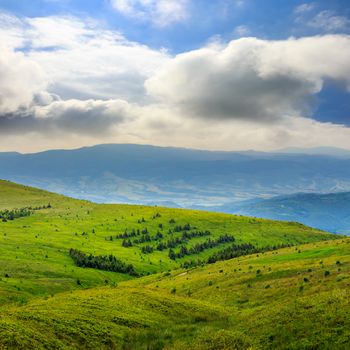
[
  {"x": 129, "y": 48},
  {"x": 268, "y": 19}
]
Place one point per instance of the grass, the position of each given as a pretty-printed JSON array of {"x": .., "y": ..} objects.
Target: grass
[
  {"x": 226, "y": 305},
  {"x": 292, "y": 298}
]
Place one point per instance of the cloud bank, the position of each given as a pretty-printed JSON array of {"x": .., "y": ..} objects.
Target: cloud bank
[{"x": 70, "y": 82}]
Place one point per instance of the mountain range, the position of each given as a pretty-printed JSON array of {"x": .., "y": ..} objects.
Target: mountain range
[{"x": 240, "y": 182}]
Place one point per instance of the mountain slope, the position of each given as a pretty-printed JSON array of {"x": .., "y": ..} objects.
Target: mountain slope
[
  {"x": 148, "y": 174},
  {"x": 35, "y": 249},
  {"x": 287, "y": 299},
  {"x": 48, "y": 301},
  {"x": 16, "y": 196}
]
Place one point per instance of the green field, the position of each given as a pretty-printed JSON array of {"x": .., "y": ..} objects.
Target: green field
[{"x": 291, "y": 298}]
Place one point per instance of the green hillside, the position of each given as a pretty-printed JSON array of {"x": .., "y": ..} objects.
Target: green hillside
[
  {"x": 34, "y": 249},
  {"x": 16, "y": 196},
  {"x": 286, "y": 299},
  {"x": 75, "y": 274}
]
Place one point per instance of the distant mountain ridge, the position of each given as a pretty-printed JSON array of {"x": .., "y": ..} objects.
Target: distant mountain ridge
[
  {"x": 328, "y": 151},
  {"x": 329, "y": 212},
  {"x": 126, "y": 173}
]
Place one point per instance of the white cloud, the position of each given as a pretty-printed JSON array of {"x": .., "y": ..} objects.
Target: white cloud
[
  {"x": 11, "y": 31},
  {"x": 160, "y": 12},
  {"x": 325, "y": 21},
  {"x": 20, "y": 80},
  {"x": 241, "y": 31},
  {"x": 329, "y": 22},
  {"x": 252, "y": 79},
  {"x": 304, "y": 8},
  {"x": 83, "y": 60},
  {"x": 66, "y": 59}
]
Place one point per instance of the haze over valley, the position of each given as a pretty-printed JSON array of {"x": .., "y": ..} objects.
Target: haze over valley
[{"x": 232, "y": 182}]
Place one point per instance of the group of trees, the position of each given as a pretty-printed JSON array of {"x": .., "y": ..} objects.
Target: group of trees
[
  {"x": 128, "y": 234},
  {"x": 48, "y": 206},
  {"x": 199, "y": 247},
  {"x": 170, "y": 243},
  {"x": 186, "y": 227},
  {"x": 127, "y": 243},
  {"x": 140, "y": 236},
  {"x": 11, "y": 214},
  {"x": 14, "y": 214},
  {"x": 101, "y": 262},
  {"x": 143, "y": 236},
  {"x": 234, "y": 251},
  {"x": 176, "y": 241},
  {"x": 147, "y": 249},
  {"x": 148, "y": 238},
  {"x": 194, "y": 234}
]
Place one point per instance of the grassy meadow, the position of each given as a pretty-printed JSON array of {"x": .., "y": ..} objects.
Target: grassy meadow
[{"x": 291, "y": 298}]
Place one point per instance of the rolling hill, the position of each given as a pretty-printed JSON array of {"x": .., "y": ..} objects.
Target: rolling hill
[
  {"x": 37, "y": 246},
  {"x": 65, "y": 281},
  {"x": 287, "y": 299}
]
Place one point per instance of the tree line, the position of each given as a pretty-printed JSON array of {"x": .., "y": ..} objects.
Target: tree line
[
  {"x": 234, "y": 251},
  {"x": 127, "y": 234},
  {"x": 101, "y": 262},
  {"x": 176, "y": 241},
  {"x": 12, "y": 214},
  {"x": 200, "y": 247},
  {"x": 186, "y": 227},
  {"x": 137, "y": 236},
  {"x": 138, "y": 232},
  {"x": 169, "y": 244}
]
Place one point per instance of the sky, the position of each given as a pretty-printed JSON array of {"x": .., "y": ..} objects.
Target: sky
[{"x": 218, "y": 75}]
